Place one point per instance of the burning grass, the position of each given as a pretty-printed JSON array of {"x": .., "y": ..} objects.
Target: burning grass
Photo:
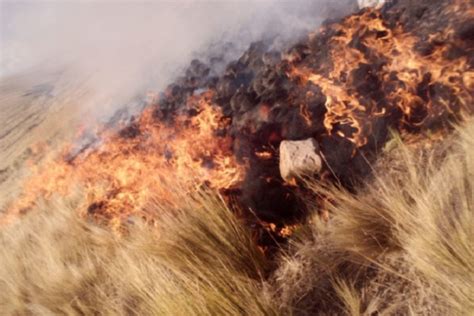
[
  {"x": 136, "y": 242},
  {"x": 121, "y": 172},
  {"x": 402, "y": 245},
  {"x": 407, "y": 66}
]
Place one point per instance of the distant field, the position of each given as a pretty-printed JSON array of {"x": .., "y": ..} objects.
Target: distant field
[{"x": 35, "y": 107}]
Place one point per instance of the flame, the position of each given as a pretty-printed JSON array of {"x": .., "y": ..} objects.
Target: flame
[
  {"x": 369, "y": 70},
  {"x": 284, "y": 231},
  {"x": 119, "y": 176},
  {"x": 401, "y": 73},
  {"x": 265, "y": 154}
]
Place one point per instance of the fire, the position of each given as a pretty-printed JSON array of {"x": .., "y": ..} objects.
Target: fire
[
  {"x": 345, "y": 86},
  {"x": 119, "y": 176},
  {"x": 418, "y": 84},
  {"x": 266, "y": 155}
]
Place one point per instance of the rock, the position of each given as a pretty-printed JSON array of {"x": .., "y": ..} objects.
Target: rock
[{"x": 298, "y": 158}]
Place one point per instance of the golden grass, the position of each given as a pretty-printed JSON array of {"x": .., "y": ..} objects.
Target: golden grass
[
  {"x": 404, "y": 244},
  {"x": 198, "y": 260}
]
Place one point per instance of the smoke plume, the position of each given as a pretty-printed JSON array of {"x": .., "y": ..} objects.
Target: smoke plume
[{"x": 124, "y": 48}]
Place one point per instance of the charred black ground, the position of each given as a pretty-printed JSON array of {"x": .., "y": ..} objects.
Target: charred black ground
[{"x": 266, "y": 104}]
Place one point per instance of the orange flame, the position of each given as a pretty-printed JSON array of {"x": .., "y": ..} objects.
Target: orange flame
[
  {"x": 119, "y": 176},
  {"x": 396, "y": 48}
]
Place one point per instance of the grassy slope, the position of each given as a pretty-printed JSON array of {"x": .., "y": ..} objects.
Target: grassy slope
[
  {"x": 401, "y": 245},
  {"x": 37, "y": 106}
]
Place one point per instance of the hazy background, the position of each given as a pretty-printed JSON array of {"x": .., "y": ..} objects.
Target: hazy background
[{"x": 122, "y": 47}]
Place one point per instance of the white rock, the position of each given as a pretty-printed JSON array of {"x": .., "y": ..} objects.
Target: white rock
[
  {"x": 298, "y": 158},
  {"x": 370, "y": 3}
]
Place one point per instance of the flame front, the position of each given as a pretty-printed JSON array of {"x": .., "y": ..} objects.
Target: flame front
[
  {"x": 345, "y": 86},
  {"x": 119, "y": 176},
  {"x": 391, "y": 72}
]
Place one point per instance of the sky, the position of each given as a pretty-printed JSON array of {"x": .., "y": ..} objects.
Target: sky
[{"x": 128, "y": 46}]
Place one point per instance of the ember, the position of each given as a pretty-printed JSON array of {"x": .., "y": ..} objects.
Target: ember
[{"x": 407, "y": 66}]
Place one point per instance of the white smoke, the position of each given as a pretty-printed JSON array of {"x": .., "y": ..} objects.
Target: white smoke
[
  {"x": 125, "y": 47},
  {"x": 371, "y": 3}
]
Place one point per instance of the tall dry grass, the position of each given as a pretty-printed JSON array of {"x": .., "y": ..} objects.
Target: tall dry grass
[
  {"x": 197, "y": 260},
  {"x": 402, "y": 245}
]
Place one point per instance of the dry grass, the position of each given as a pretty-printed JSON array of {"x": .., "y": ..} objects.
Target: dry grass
[
  {"x": 198, "y": 260},
  {"x": 402, "y": 245},
  {"x": 36, "y": 107}
]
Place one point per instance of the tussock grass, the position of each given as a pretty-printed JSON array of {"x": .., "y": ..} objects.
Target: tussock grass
[
  {"x": 402, "y": 245},
  {"x": 198, "y": 260}
]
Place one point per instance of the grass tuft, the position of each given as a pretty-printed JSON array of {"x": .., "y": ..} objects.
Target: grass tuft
[
  {"x": 198, "y": 260},
  {"x": 404, "y": 244}
]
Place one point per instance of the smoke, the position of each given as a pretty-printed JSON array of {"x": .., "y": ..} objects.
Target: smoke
[{"x": 124, "y": 48}]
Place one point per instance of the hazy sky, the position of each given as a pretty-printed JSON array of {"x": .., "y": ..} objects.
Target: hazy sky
[
  {"x": 130, "y": 34},
  {"x": 123, "y": 47}
]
